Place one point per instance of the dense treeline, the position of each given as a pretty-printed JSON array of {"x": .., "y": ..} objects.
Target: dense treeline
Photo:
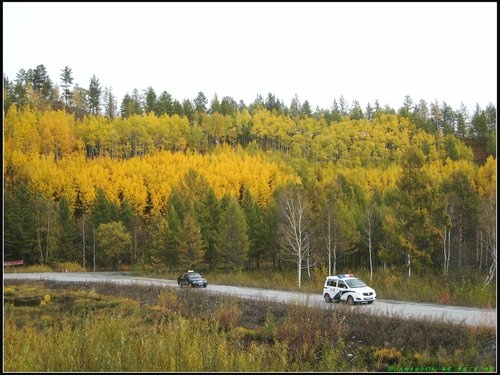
[
  {"x": 235, "y": 187},
  {"x": 392, "y": 196},
  {"x": 35, "y": 89}
]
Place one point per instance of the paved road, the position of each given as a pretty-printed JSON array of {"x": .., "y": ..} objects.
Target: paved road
[{"x": 463, "y": 315}]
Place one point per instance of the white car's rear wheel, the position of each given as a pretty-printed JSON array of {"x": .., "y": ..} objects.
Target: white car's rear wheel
[{"x": 328, "y": 298}]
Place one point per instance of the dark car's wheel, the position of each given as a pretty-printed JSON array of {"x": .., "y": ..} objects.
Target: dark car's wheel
[
  {"x": 350, "y": 300},
  {"x": 328, "y": 299}
]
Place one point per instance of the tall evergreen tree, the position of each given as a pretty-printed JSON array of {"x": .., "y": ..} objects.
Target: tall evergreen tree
[
  {"x": 295, "y": 107},
  {"x": 306, "y": 110},
  {"x": 81, "y": 100},
  {"x": 421, "y": 116},
  {"x": 8, "y": 93},
  {"x": 436, "y": 118},
  {"x": 67, "y": 249},
  {"x": 127, "y": 106},
  {"x": 233, "y": 238},
  {"x": 158, "y": 246},
  {"x": 215, "y": 105},
  {"x": 40, "y": 78},
  {"x": 110, "y": 105},
  {"x": 19, "y": 225},
  {"x": 22, "y": 87},
  {"x": 449, "y": 120},
  {"x": 461, "y": 204},
  {"x": 128, "y": 218},
  {"x": 46, "y": 229},
  {"x": 178, "y": 109},
  {"x": 369, "y": 112},
  {"x": 191, "y": 247},
  {"x": 407, "y": 109},
  {"x": 67, "y": 81},
  {"x": 164, "y": 104},
  {"x": 335, "y": 112},
  {"x": 491, "y": 138},
  {"x": 103, "y": 210},
  {"x": 271, "y": 102},
  {"x": 343, "y": 106},
  {"x": 209, "y": 213},
  {"x": 94, "y": 93},
  {"x": 228, "y": 106},
  {"x": 415, "y": 204},
  {"x": 188, "y": 110},
  {"x": 253, "y": 217},
  {"x": 172, "y": 241},
  {"x": 138, "y": 108},
  {"x": 200, "y": 103},
  {"x": 356, "y": 111},
  {"x": 149, "y": 100},
  {"x": 462, "y": 117},
  {"x": 268, "y": 234}
]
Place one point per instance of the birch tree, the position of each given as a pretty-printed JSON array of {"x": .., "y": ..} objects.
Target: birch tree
[
  {"x": 368, "y": 237},
  {"x": 295, "y": 234}
]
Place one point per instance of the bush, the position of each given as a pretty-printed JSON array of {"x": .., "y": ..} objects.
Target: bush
[
  {"x": 37, "y": 268},
  {"x": 69, "y": 267}
]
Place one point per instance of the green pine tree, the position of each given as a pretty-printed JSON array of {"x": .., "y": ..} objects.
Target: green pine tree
[
  {"x": 233, "y": 237},
  {"x": 191, "y": 247}
]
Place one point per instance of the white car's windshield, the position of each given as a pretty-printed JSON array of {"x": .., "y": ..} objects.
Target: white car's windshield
[{"x": 355, "y": 283}]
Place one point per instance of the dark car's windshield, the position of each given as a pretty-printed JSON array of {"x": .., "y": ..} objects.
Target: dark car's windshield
[
  {"x": 194, "y": 276},
  {"x": 355, "y": 283}
]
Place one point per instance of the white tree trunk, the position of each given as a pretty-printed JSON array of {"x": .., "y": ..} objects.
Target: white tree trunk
[
  {"x": 329, "y": 242},
  {"x": 83, "y": 235},
  {"x": 368, "y": 240},
  {"x": 47, "y": 248},
  {"x": 295, "y": 234},
  {"x": 94, "y": 246}
]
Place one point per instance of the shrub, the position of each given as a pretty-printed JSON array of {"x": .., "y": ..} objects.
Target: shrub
[
  {"x": 387, "y": 355},
  {"x": 69, "y": 267},
  {"x": 45, "y": 300},
  {"x": 29, "y": 269},
  {"x": 226, "y": 316}
]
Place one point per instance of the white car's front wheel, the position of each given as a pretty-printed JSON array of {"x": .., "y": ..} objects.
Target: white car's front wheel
[{"x": 350, "y": 300}]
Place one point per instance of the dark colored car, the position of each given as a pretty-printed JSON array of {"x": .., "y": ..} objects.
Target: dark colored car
[{"x": 192, "y": 278}]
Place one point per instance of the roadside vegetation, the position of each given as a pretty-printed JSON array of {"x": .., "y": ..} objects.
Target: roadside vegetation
[
  {"x": 461, "y": 289},
  {"x": 57, "y": 326}
]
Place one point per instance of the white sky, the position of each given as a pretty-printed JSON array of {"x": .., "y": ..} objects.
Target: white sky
[{"x": 445, "y": 52}]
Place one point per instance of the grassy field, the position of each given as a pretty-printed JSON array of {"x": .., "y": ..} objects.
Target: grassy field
[{"x": 102, "y": 327}]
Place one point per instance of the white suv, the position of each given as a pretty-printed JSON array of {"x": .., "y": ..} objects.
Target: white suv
[{"x": 348, "y": 288}]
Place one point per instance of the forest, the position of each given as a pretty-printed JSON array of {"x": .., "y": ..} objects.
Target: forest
[{"x": 168, "y": 185}]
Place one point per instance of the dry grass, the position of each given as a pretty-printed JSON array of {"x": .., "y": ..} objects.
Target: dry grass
[{"x": 108, "y": 327}]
